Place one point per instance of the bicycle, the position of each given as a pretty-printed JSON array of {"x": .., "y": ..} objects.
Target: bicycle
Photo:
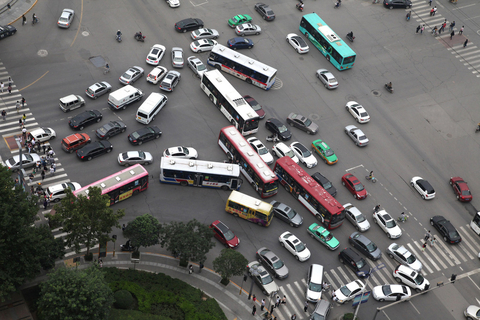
[
  {"x": 106, "y": 70},
  {"x": 371, "y": 178}
]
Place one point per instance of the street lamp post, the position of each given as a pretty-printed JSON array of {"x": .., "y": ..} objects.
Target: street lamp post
[
  {"x": 20, "y": 170},
  {"x": 376, "y": 268},
  {"x": 253, "y": 272}
]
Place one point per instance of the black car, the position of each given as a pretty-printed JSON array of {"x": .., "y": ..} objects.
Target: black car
[
  {"x": 7, "y": 31},
  {"x": 353, "y": 260},
  {"x": 265, "y": 11},
  {"x": 275, "y": 126},
  {"x": 86, "y": 118},
  {"x": 397, "y": 4},
  {"x": 365, "y": 246},
  {"x": 189, "y": 24},
  {"x": 446, "y": 229},
  {"x": 287, "y": 214},
  {"x": 93, "y": 150},
  {"x": 325, "y": 183},
  {"x": 143, "y": 135},
  {"x": 111, "y": 129}
]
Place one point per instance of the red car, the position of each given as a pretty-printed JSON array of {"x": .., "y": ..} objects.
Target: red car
[
  {"x": 354, "y": 186},
  {"x": 461, "y": 190},
  {"x": 224, "y": 234}
]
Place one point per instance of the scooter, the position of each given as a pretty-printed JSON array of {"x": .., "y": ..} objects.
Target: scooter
[
  {"x": 273, "y": 138},
  {"x": 350, "y": 38},
  {"x": 138, "y": 37},
  {"x": 337, "y": 5},
  {"x": 127, "y": 247},
  {"x": 388, "y": 88},
  {"x": 118, "y": 38},
  {"x": 299, "y": 6}
]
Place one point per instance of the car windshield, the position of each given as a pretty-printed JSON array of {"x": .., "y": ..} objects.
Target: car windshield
[
  {"x": 135, "y": 135},
  {"x": 453, "y": 234},
  {"x": 419, "y": 279},
  {"x": 390, "y": 224},
  {"x": 62, "y": 19},
  {"x": 329, "y": 153},
  {"x": 411, "y": 259},
  {"x": 282, "y": 129},
  {"x": 300, "y": 247},
  {"x": 371, "y": 247},
  {"x": 290, "y": 212},
  {"x": 360, "y": 263},
  {"x": 362, "y": 138},
  {"x": 196, "y": 43},
  {"x": 290, "y": 154},
  {"x": 332, "y": 80},
  {"x": 386, "y": 290},
  {"x": 359, "y": 187},
  {"x": 316, "y": 316},
  {"x": 327, "y": 185},
  {"x": 254, "y": 104},
  {"x": 267, "y": 279},
  {"x": 235, "y": 19},
  {"x": 141, "y": 154},
  {"x": 262, "y": 151},
  {"x": 301, "y": 42},
  {"x": 229, "y": 235},
  {"x": 277, "y": 264},
  {"x": 127, "y": 75},
  {"x": 360, "y": 218},
  {"x": 306, "y": 153},
  {"x": 316, "y": 287},
  {"x": 466, "y": 193},
  {"x": 308, "y": 122},
  {"x": 364, "y": 114},
  {"x": 177, "y": 58},
  {"x": 102, "y": 130},
  {"x": 201, "y": 67},
  {"x": 345, "y": 291}
]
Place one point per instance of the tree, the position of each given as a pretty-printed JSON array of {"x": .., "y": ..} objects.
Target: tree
[
  {"x": 191, "y": 240},
  {"x": 86, "y": 221},
  {"x": 229, "y": 263},
  {"x": 25, "y": 249},
  {"x": 144, "y": 231},
  {"x": 71, "y": 294}
]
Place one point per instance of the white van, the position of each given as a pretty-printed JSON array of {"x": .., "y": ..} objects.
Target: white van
[
  {"x": 119, "y": 99},
  {"x": 150, "y": 107},
  {"x": 314, "y": 283}
]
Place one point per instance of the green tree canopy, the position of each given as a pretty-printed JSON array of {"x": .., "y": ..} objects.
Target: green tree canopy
[
  {"x": 144, "y": 231},
  {"x": 191, "y": 240},
  {"x": 25, "y": 249},
  {"x": 230, "y": 263},
  {"x": 71, "y": 294},
  {"x": 86, "y": 221}
]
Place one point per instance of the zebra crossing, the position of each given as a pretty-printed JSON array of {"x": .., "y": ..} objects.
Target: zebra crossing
[
  {"x": 434, "y": 259},
  {"x": 469, "y": 55}
]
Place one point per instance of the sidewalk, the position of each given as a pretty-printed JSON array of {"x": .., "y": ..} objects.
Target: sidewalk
[{"x": 17, "y": 9}]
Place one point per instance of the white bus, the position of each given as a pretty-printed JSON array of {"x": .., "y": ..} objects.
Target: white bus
[
  {"x": 243, "y": 67},
  {"x": 475, "y": 223},
  {"x": 198, "y": 173},
  {"x": 230, "y": 102}
]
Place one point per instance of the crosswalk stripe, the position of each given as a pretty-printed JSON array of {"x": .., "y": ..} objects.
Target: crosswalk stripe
[
  {"x": 387, "y": 261},
  {"x": 467, "y": 54},
  {"x": 470, "y": 239},
  {"x": 450, "y": 253},
  {"x": 340, "y": 282},
  {"x": 422, "y": 260},
  {"x": 340, "y": 270},
  {"x": 292, "y": 305},
  {"x": 81, "y": 250},
  {"x": 289, "y": 286},
  {"x": 50, "y": 178},
  {"x": 18, "y": 130},
  {"x": 329, "y": 280},
  {"x": 458, "y": 248}
]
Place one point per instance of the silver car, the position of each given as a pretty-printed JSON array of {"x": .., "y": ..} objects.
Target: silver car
[
  {"x": 262, "y": 278},
  {"x": 98, "y": 89},
  {"x": 28, "y": 160},
  {"x": 131, "y": 75},
  {"x": 134, "y": 157},
  {"x": 272, "y": 262},
  {"x": 327, "y": 78},
  {"x": 197, "y": 66},
  {"x": 66, "y": 18},
  {"x": 403, "y": 256},
  {"x": 177, "y": 57},
  {"x": 248, "y": 29},
  {"x": 356, "y": 135},
  {"x": 170, "y": 81},
  {"x": 204, "y": 33},
  {"x": 357, "y": 218}
]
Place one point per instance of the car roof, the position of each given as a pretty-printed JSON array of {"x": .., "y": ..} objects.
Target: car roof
[
  {"x": 300, "y": 146},
  {"x": 352, "y": 253},
  {"x": 282, "y": 146}
]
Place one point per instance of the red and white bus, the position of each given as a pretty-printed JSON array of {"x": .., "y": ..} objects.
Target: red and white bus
[
  {"x": 239, "y": 151},
  {"x": 121, "y": 185},
  {"x": 304, "y": 188}
]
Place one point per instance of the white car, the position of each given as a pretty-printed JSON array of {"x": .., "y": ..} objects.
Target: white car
[
  {"x": 57, "y": 192},
  {"x": 348, "y": 291},
  {"x": 391, "y": 292},
  {"x": 411, "y": 278},
  {"x": 403, "y": 256},
  {"x": 41, "y": 134},
  {"x": 156, "y": 54},
  {"x": 281, "y": 150},
  {"x": 204, "y": 33},
  {"x": 297, "y": 43},
  {"x": 177, "y": 57},
  {"x": 472, "y": 313},
  {"x": 262, "y": 278},
  {"x": 203, "y": 45},
  {"x": 294, "y": 246},
  {"x": 305, "y": 156},
  {"x": 357, "y": 111},
  {"x": 156, "y": 74},
  {"x": 181, "y": 152},
  {"x": 248, "y": 29},
  {"x": 387, "y": 223},
  {"x": 260, "y": 148},
  {"x": 134, "y": 157},
  {"x": 356, "y": 135},
  {"x": 197, "y": 66},
  {"x": 173, "y": 3},
  {"x": 357, "y": 218},
  {"x": 423, "y": 187}
]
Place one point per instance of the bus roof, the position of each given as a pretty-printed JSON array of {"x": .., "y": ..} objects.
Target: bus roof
[
  {"x": 251, "y": 202},
  {"x": 309, "y": 184},
  {"x": 245, "y": 60},
  {"x": 201, "y": 166},
  {"x": 249, "y": 154},
  {"x": 113, "y": 181},
  {"x": 231, "y": 94},
  {"x": 329, "y": 34}
]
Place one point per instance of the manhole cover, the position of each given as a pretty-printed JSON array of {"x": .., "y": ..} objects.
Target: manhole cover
[
  {"x": 97, "y": 61},
  {"x": 314, "y": 116},
  {"x": 42, "y": 53},
  {"x": 376, "y": 93},
  {"x": 85, "y": 33},
  {"x": 278, "y": 84}
]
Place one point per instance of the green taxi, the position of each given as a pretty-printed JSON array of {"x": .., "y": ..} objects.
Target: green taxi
[
  {"x": 238, "y": 20},
  {"x": 323, "y": 236},
  {"x": 325, "y": 152}
]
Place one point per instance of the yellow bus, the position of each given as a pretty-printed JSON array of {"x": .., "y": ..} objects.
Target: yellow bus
[{"x": 249, "y": 208}]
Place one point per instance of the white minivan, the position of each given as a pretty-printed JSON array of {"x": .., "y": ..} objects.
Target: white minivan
[
  {"x": 150, "y": 107},
  {"x": 121, "y": 98},
  {"x": 314, "y": 283}
]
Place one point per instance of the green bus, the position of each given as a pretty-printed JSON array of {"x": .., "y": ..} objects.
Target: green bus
[{"x": 328, "y": 42}]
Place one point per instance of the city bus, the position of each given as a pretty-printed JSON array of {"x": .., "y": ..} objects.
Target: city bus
[
  {"x": 198, "y": 173},
  {"x": 255, "y": 170},
  {"x": 328, "y": 42},
  {"x": 249, "y": 208},
  {"x": 121, "y": 185},
  {"x": 306, "y": 190},
  {"x": 475, "y": 223},
  {"x": 243, "y": 67},
  {"x": 230, "y": 102}
]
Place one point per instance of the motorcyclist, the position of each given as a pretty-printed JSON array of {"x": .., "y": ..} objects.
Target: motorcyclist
[
  {"x": 119, "y": 34},
  {"x": 302, "y": 5},
  {"x": 338, "y": 3},
  {"x": 403, "y": 217},
  {"x": 138, "y": 35},
  {"x": 350, "y": 34},
  {"x": 389, "y": 85},
  {"x": 478, "y": 126}
]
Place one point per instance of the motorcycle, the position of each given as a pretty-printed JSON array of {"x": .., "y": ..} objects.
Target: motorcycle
[
  {"x": 337, "y": 5},
  {"x": 389, "y": 89},
  {"x": 349, "y": 37},
  {"x": 127, "y": 247},
  {"x": 477, "y": 129},
  {"x": 118, "y": 37},
  {"x": 139, "y": 37},
  {"x": 273, "y": 138},
  {"x": 299, "y": 6}
]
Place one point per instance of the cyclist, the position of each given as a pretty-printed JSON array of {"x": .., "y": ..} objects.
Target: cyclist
[
  {"x": 403, "y": 217},
  {"x": 370, "y": 176}
]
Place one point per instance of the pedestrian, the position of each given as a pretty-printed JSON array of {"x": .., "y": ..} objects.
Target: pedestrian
[
  {"x": 284, "y": 300},
  {"x": 325, "y": 286},
  {"x": 452, "y": 34},
  {"x": 30, "y": 177},
  {"x": 452, "y": 25},
  {"x": 2, "y": 85},
  {"x": 44, "y": 147},
  {"x": 24, "y": 134},
  {"x": 34, "y": 171},
  {"x": 305, "y": 306},
  {"x": 271, "y": 309},
  {"x": 200, "y": 266},
  {"x": 277, "y": 303},
  {"x": 100, "y": 262},
  {"x": 461, "y": 30},
  {"x": 54, "y": 166},
  {"x": 432, "y": 241},
  {"x": 10, "y": 81},
  {"x": 9, "y": 89},
  {"x": 24, "y": 20},
  {"x": 17, "y": 106},
  {"x": 32, "y": 190},
  {"x": 254, "y": 310},
  {"x": 23, "y": 102},
  {"x": 434, "y": 10},
  {"x": 418, "y": 28},
  {"x": 50, "y": 152},
  {"x": 24, "y": 118},
  {"x": 424, "y": 246},
  {"x": 294, "y": 317},
  {"x": 430, "y": 2},
  {"x": 4, "y": 115},
  {"x": 254, "y": 298},
  {"x": 45, "y": 203},
  {"x": 431, "y": 12},
  {"x": 123, "y": 227},
  {"x": 29, "y": 146},
  {"x": 422, "y": 29},
  {"x": 262, "y": 305},
  {"x": 465, "y": 43},
  {"x": 434, "y": 31},
  {"x": 190, "y": 269}
]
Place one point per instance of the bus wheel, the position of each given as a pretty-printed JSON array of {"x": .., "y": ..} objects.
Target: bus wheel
[
  {"x": 249, "y": 81},
  {"x": 183, "y": 183},
  {"x": 224, "y": 188},
  {"x": 260, "y": 224},
  {"x": 318, "y": 217},
  {"x": 287, "y": 188},
  {"x": 235, "y": 215},
  {"x": 219, "y": 67}
]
